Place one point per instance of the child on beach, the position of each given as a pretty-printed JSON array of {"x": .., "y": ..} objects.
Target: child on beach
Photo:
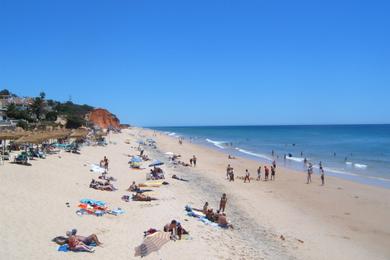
[
  {"x": 222, "y": 203},
  {"x": 247, "y": 176},
  {"x": 259, "y": 173},
  {"x": 322, "y": 177}
]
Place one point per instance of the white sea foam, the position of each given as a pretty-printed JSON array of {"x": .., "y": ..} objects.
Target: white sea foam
[
  {"x": 254, "y": 154},
  {"x": 360, "y": 166},
  {"x": 341, "y": 172},
  {"x": 216, "y": 143},
  {"x": 295, "y": 159},
  {"x": 172, "y": 134}
]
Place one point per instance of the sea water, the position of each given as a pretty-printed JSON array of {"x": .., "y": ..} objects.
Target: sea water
[{"x": 356, "y": 152}]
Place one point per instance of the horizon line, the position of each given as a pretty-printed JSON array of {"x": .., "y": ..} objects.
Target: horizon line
[{"x": 353, "y": 124}]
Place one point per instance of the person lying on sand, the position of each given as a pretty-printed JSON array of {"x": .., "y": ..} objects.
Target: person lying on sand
[
  {"x": 104, "y": 177},
  {"x": 177, "y": 178},
  {"x": 142, "y": 197},
  {"x": 87, "y": 240},
  {"x": 97, "y": 185},
  {"x": 76, "y": 245}
]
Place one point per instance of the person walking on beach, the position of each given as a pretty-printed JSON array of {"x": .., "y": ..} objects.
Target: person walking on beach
[
  {"x": 322, "y": 177},
  {"x": 309, "y": 173},
  {"x": 231, "y": 174},
  {"x": 258, "y": 173},
  {"x": 228, "y": 169},
  {"x": 247, "y": 176},
  {"x": 105, "y": 163},
  {"x": 194, "y": 160},
  {"x": 266, "y": 173},
  {"x": 222, "y": 203},
  {"x": 191, "y": 161},
  {"x": 272, "y": 173}
]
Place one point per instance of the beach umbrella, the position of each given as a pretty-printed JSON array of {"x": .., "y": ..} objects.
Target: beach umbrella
[
  {"x": 136, "y": 159},
  {"x": 156, "y": 163},
  {"x": 152, "y": 243}
]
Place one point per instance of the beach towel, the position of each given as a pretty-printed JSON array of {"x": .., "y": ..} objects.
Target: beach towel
[
  {"x": 200, "y": 216},
  {"x": 96, "y": 168},
  {"x": 65, "y": 248},
  {"x": 116, "y": 212},
  {"x": 93, "y": 202}
]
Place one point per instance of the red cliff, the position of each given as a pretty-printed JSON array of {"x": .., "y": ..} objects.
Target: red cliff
[{"x": 103, "y": 118}]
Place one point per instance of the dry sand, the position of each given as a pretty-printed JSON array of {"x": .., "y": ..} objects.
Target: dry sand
[{"x": 341, "y": 220}]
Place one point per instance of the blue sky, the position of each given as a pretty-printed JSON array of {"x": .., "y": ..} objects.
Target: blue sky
[{"x": 203, "y": 62}]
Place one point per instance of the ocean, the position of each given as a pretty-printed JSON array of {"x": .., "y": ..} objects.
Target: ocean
[{"x": 359, "y": 153}]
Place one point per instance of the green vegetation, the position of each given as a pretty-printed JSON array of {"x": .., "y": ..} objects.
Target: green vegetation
[{"x": 45, "y": 112}]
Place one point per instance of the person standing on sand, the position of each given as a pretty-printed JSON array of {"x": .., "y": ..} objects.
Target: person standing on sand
[
  {"x": 266, "y": 173},
  {"x": 259, "y": 173},
  {"x": 228, "y": 169},
  {"x": 272, "y": 173},
  {"x": 194, "y": 160},
  {"x": 191, "y": 162},
  {"x": 222, "y": 203},
  {"x": 105, "y": 163},
  {"x": 247, "y": 176},
  {"x": 309, "y": 173},
  {"x": 231, "y": 174},
  {"x": 322, "y": 177}
]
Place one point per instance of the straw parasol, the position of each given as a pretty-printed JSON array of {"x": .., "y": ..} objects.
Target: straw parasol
[
  {"x": 33, "y": 138},
  {"x": 12, "y": 135},
  {"x": 79, "y": 133}
]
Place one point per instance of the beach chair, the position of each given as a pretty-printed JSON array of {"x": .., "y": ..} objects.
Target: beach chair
[{"x": 22, "y": 159}]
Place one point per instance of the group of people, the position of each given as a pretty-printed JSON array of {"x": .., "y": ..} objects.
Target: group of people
[
  {"x": 247, "y": 177},
  {"x": 176, "y": 230},
  {"x": 219, "y": 216},
  {"x": 310, "y": 172}
]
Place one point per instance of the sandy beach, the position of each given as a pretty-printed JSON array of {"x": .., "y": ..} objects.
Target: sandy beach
[{"x": 341, "y": 220}]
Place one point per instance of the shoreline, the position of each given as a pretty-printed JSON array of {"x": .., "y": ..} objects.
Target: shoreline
[{"x": 265, "y": 158}]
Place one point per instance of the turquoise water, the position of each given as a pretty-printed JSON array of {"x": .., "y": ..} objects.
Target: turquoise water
[{"x": 356, "y": 152}]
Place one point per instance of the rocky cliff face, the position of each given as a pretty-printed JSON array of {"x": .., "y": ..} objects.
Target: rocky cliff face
[{"x": 103, "y": 118}]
